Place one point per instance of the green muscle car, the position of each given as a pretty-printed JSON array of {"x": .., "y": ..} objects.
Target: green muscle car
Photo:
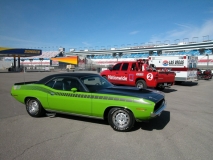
[{"x": 90, "y": 95}]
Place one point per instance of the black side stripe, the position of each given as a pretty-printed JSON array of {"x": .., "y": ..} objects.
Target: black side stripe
[{"x": 81, "y": 95}]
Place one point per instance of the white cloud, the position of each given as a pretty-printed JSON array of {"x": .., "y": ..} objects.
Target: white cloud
[
  {"x": 86, "y": 43},
  {"x": 200, "y": 33},
  {"x": 182, "y": 25},
  {"x": 20, "y": 42},
  {"x": 134, "y": 32},
  {"x": 13, "y": 39}
]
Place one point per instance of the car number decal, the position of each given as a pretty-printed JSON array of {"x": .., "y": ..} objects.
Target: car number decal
[{"x": 149, "y": 76}]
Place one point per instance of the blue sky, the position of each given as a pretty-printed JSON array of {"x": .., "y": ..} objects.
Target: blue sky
[{"x": 95, "y": 24}]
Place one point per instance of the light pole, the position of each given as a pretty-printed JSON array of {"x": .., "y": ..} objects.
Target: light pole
[
  {"x": 194, "y": 39},
  {"x": 177, "y": 41},
  {"x": 23, "y": 64},
  {"x": 31, "y": 60},
  {"x": 185, "y": 39},
  {"x": 166, "y": 42},
  {"x": 207, "y": 38},
  {"x": 207, "y": 61},
  {"x": 41, "y": 59},
  {"x": 158, "y": 43}
]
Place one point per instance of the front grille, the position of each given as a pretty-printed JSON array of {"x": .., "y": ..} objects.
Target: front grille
[{"x": 158, "y": 104}]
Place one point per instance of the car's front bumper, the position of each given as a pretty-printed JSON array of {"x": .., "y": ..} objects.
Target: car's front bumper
[{"x": 159, "y": 110}]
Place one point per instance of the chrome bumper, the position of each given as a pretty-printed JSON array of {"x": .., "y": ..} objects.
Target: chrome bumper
[{"x": 158, "y": 112}]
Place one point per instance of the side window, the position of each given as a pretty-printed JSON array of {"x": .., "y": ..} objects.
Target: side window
[
  {"x": 190, "y": 65},
  {"x": 125, "y": 66},
  {"x": 92, "y": 81},
  {"x": 133, "y": 68},
  {"x": 116, "y": 67},
  {"x": 65, "y": 84}
]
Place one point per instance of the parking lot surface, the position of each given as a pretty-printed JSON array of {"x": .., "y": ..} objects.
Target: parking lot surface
[{"x": 183, "y": 131}]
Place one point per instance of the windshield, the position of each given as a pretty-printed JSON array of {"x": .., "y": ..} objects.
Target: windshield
[{"x": 94, "y": 83}]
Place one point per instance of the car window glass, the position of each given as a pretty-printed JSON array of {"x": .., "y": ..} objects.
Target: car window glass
[
  {"x": 95, "y": 83},
  {"x": 125, "y": 66},
  {"x": 92, "y": 81},
  {"x": 190, "y": 65},
  {"x": 133, "y": 68},
  {"x": 116, "y": 67},
  {"x": 65, "y": 84}
]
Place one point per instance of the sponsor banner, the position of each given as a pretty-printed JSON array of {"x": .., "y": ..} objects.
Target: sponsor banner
[
  {"x": 119, "y": 78},
  {"x": 35, "y": 62},
  {"x": 173, "y": 63},
  {"x": 69, "y": 59},
  {"x": 55, "y": 63}
]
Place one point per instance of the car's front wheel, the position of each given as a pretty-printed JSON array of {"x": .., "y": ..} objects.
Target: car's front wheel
[
  {"x": 121, "y": 119},
  {"x": 34, "y": 107},
  {"x": 141, "y": 84}
]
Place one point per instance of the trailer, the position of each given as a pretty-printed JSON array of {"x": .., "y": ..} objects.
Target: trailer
[{"x": 184, "y": 66}]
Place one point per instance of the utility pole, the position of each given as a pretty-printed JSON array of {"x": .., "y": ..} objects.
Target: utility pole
[{"x": 207, "y": 61}]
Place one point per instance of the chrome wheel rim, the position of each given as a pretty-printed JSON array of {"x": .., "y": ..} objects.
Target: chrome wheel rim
[
  {"x": 140, "y": 85},
  {"x": 120, "y": 119},
  {"x": 33, "y": 107}
]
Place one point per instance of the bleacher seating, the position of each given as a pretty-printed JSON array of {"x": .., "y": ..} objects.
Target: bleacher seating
[{"x": 130, "y": 56}]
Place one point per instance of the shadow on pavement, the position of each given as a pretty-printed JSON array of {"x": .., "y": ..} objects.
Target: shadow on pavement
[
  {"x": 85, "y": 119},
  {"x": 188, "y": 84},
  {"x": 169, "y": 90},
  {"x": 155, "y": 124}
]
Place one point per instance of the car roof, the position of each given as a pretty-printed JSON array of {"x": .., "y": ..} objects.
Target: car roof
[{"x": 76, "y": 75}]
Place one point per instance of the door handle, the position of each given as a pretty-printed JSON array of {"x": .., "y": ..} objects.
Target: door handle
[{"x": 52, "y": 93}]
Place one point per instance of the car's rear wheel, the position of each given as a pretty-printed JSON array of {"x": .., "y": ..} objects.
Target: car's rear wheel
[
  {"x": 141, "y": 84},
  {"x": 120, "y": 119},
  {"x": 34, "y": 107},
  {"x": 160, "y": 88}
]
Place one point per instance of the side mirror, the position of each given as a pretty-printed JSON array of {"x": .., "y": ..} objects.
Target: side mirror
[{"x": 74, "y": 89}]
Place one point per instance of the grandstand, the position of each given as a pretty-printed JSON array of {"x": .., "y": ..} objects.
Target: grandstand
[
  {"x": 109, "y": 59},
  {"x": 104, "y": 58}
]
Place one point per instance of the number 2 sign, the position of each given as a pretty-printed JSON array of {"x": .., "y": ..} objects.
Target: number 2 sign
[{"x": 149, "y": 76}]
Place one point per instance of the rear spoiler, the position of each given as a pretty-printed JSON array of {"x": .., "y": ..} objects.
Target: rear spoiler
[{"x": 21, "y": 83}]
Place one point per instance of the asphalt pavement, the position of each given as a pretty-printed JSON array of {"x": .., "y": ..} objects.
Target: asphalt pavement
[{"x": 184, "y": 131}]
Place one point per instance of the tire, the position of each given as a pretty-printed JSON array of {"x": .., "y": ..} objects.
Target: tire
[
  {"x": 34, "y": 108},
  {"x": 120, "y": 119},
  {"x": 160, "y": 88},
  {"x": 141, "y": 84}
]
